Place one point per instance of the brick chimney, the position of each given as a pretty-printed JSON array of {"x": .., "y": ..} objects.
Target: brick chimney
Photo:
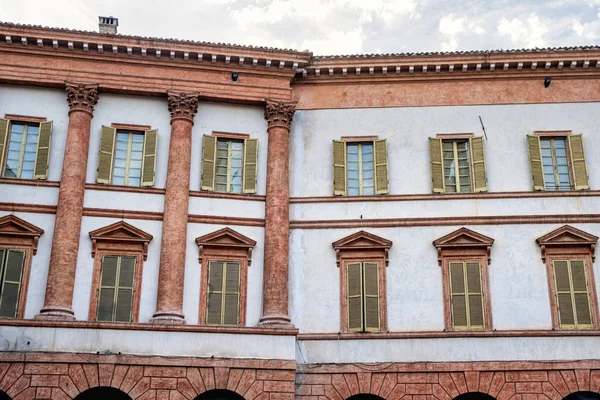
[{"x": 108, "y": 25}]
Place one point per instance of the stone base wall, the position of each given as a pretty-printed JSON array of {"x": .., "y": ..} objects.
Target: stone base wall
[{"x": 64, "y": 376}]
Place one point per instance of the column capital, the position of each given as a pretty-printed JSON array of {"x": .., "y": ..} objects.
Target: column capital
[
  {"x": 280, "y": 113},
  {"x": 182, "y": 105},
  {"x": 81, "y": 96}
]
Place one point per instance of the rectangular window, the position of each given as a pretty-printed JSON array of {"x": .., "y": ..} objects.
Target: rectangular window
[
  {"x": 360, "y": 169},
  {"x": 555, "y": 163},
  {"x": 229, "y": 168},
  {"x": 457, "y": 167},
  {"x": 466, "y": 295},
  {"x": 223, "y": 295},
  {"x": 127, "y": 167},
  {"x": 115, "y": 297},
  {"x": 363, "y": 297},
  {"x": 572, "y": 294},
  {"x": 22, "y": 149},
  {"x": 11, "y": 276}
]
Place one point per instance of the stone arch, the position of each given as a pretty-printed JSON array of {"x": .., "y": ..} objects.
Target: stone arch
[
  {"x": 583, "y": 395},
  {"x": 219, "y": 394},
  {"x": 4, "y": 396},
  {"x": 474, "y": 396},
  {"x": 102, "y": 392},
  {"x": 365, "y": 396}
]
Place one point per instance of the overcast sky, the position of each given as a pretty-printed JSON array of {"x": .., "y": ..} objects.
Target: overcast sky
[{"x": 333, "y": 26}]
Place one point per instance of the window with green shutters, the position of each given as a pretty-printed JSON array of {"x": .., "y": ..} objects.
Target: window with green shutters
[
  {"x": 12, "y": 264},
  {"x": 360, "y": 168},
  {"x": 458, "y": 164},
  {"x": 223, "y": 294},
  {"x": 25, "y": 149},
  {"x": 466, "y": 295},
  {"x": 116, "y": 289},
  {"x": 363, "y": 299},
  {"x": 572, "y": 294}
]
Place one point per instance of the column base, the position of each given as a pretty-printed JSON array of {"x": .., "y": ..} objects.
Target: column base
[
  {"x": 280, "y": 321},
  {"x": 167, "y": 318},
  {"x": 56, "y": 313}
]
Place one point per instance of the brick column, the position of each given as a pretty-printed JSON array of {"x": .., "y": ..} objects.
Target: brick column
[
  {"x": 169, "y": 302},
  {"x": 279, "y": 116},
  {"x": 67, "y": 226}
]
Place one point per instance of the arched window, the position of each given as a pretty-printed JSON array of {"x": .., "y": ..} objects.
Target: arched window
[
  {"x": 219, "y": 394},
  {"x": 583, "y": 396},
  {"x": 365, "y": 396},
  {"x": 101, "y": 393},
  {"x": 474, "y": 396}
]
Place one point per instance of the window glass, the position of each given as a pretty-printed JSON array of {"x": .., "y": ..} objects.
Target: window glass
[
  {"x": 127, "y": 164},
  {"x": 229, "y": 168},
  {"x": 457, "y": 166},
  {"x": 555, "y": 163},
  {"x": 22, "y": 150},
  {"x": 359, "y": 159}
]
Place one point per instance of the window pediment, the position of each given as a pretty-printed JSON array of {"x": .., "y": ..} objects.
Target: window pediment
[
  {"x": 120, "y": 232},
  {"x": 225, "y": 238},
  {"x": 14, "y": 226},
  {"x": 567, "y": 236},
  {"x": 362, "y": 241},
  {"x": 464, "y": 238}
]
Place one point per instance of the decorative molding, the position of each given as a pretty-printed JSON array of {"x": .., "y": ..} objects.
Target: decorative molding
[
  {"x": 463, "y": 238},
  {"x": 279, "y": 113},
  {"x": 357, "y": 139},
  {"x": 567, "y": 237},
  {"x": 24, "y": 118},
  {"x": 14, "y": 227},
  {"x": 120, "y": 233},
  {"x": 230, "y": 135},
  {"x": 227, "y": 239},
  {"x": 131, "y": 127},
  {"x": 362, "y": 241},
  {"x": 552, "y": 133},
  {"x": 182, "y": 105},
  {"x": 81, "y": 96},
  {"x": 454, "y": 136}
]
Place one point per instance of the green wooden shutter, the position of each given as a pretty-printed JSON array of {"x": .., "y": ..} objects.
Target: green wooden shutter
[
  {"x": 578, "y": 165},
  {"x": 458, "y": 301},
  {"x": 580, "y": 294},
  {"x": 105, "y": 156},
  {"x": 214, "y": 293},
  {"x": 355, "y": 297},
  {"x": 475, "y": 295},
  {"x": 534, "y": 149},
  {"x": 437, "y": 165},
  {"x": 107, "y": 289},
  {"x": 231, "y": 308},
  {"x": 42, "y": 156},
  {"x": 209, "y": 156},
  {"x": 381, "y": 167},
  {"x": 125, "y": 289},
  {"x": 478, "y": 164},
  {"x": 4, "y": 125},
  {"x": 563, "y": 293},
  {"x": 339, "y": 167},
  {"x": 250, "y": 165},
  {"x": 371, "y": 295},
  {"x": 12, "y": 276},
  {"x": 149, "y": 157}
]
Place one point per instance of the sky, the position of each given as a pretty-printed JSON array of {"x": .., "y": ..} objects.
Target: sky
[{"x": 333, "y": 27}]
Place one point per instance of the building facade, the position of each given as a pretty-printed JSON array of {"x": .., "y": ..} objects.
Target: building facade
[{"x": 183, "y": 220}]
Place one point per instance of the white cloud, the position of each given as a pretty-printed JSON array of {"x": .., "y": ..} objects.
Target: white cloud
[
  {"x": 337, "y": 42},
  {"x": 528, "y": 33},
  {"x": 586, "y": 31},
  {"x": 452, "y": 26}
]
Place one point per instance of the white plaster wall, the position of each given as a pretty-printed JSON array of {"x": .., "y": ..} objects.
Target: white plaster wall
[
  {"x": 407, "y": 130},
  {"x": 41, "y": 102},
  {"x": 124, "y": 201},
  {"x": 227, "y": 207},
  {"x": 518, "y": 280},
  {"x": 149, "y": 343},
  {"x": 137, "y": 110},
  {"x": 85, "y": 267},
  {"x": 191, "y": 302},
  {"x": 39, "y": 263},
  {"x": 230, "y": 118},
  {"x": 450, "y": 350},
  {"x": 28, "y": 194}
]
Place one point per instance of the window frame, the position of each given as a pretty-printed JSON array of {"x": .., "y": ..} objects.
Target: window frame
[
  {"x": 360, "y": 140},
  {"x": 229, "y": 142},
  {"x": 19, "y": 119},
  {"x": 130, "y": 129},
  {"x": 24, "y": 239},
  {"x": 455, "y": 151},
  {"x": 362, "y": 247},
  {"x": 224, "y": 245},
  {"x": 109, "y": 241},
  {"x": 544, "y": 135}
]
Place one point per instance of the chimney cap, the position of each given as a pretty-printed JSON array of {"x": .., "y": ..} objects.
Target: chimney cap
[{"x": 108, "y": 24}]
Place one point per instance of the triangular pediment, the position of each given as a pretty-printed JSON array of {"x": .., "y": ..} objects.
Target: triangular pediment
[
  {"x": 567, "y": 235},
  {"x": 463, "y": 237},
  {"x": 360, "y": 240},
  {"x": 225, "y": 237},
  {"x": 120, "y": 231},
  {"x": 15, "y": 226}
]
